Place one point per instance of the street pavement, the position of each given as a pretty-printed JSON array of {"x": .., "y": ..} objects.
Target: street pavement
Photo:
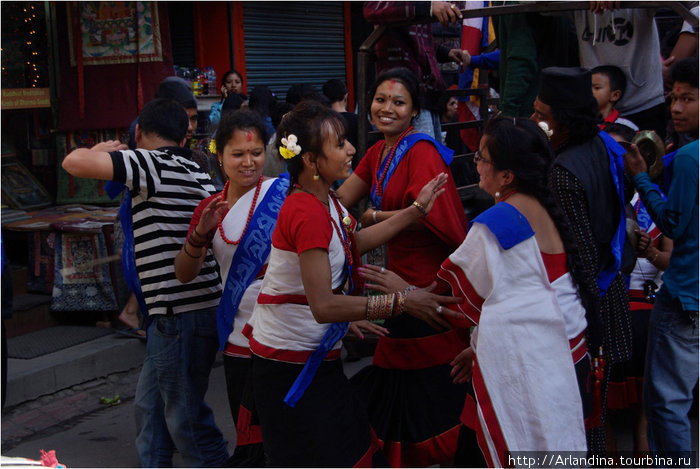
[{"x": 87, "y": 433}]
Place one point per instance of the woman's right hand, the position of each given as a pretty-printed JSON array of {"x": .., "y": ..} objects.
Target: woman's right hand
[
  {"x": 211, "y": 215},
  {"x": 462, "y": 366},
  {"x": 431, "y": 191},
  {"x": 224, "y": 91}
]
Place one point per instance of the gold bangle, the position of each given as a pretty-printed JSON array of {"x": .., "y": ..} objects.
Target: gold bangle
[
  {"x": 652, "y": 260},
  {"x": 420, "y": 207}
]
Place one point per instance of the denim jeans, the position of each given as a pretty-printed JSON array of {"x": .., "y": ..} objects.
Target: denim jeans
[
  {"x": 169, "y": 403},
  {"x": 670, "y": 375}
]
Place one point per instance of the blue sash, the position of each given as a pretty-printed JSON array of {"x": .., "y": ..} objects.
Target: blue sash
[
  {"x": 128, "y": 253},
  {"x": 615, "y": 152},
  {"x": 249, "y": 257},
  {"x": 643, "y": 218},
  {"x": 335, "y": 332},
  {"x": 403, "y": 146}
]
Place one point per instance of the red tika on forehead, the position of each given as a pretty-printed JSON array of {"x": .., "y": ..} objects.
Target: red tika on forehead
[
  {"x": 248, "y": 136},
  {"x": 391, "y": 85}
]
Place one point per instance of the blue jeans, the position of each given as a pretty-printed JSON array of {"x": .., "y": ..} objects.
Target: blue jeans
[
  {"x": 670, "y": 375},
  {"x": 169, "y": 403}
]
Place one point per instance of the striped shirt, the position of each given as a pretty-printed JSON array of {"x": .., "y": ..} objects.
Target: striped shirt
[{"x": 166, "y": 186}]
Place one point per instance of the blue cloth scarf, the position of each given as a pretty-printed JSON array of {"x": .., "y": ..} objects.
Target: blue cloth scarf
[
  {"x": 615, "y": 152},
  {"x": 252, "y": 252},
  {"x": 402, "y": 148}
]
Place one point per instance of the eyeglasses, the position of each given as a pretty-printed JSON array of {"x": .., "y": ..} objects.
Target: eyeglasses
[{"x": 478, "y": 157}]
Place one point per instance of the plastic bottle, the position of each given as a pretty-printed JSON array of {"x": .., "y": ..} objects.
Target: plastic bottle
[
  {"x": 204, "y": 78},
  {"x": 213, "y": 88}
]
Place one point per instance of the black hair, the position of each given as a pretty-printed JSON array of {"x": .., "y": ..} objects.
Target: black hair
[
  {"x": 685, "y": 71},
  {"x": 241, "y": 119},
  {"x": 319, "y": 98},
  {"x": 231, "y": 72},
  {"x": 404, "y": 76},
  {"x": 262, "y": 100},
  {"x": 335, "y": 90},
  {"x": 165, "y": 118},
  {"x": 280, "y": 109},
  {"x": 442, "y": 102},
  {"x": 581, "y": 122},
  {"x": 299, "y": 92},
  {"x": 519, "y": 145},
  {"x": 627, "y": 133},
  {"x": 312, "y": 123},
  {"x": 615, "y": 75}
]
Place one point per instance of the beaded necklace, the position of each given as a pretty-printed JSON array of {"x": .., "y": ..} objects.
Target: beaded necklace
[
  {"x": 343, "y": 240},
  {"x": 380, "y": 180},
  {"x": 250, "y": 213}
]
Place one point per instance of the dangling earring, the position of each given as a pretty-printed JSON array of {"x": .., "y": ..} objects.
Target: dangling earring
[
  {"x": 497, "y": 196},
  {"x": 221, "y": 164},
  {"x": 316, "y": 176}
]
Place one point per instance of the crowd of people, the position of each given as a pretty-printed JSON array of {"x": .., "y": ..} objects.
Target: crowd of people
[{"x": 518, "y": 330}]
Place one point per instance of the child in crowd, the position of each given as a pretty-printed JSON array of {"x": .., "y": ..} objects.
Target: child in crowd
[{"x": 609, "y": 84}]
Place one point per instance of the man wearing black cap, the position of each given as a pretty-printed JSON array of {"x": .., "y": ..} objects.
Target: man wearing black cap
[{"x": 586, "y": 179}]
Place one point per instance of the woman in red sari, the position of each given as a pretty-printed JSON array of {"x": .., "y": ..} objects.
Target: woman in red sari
[{"x": 411, "y": 365}]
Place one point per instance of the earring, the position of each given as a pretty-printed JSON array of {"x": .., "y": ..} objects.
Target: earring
[
  {"x": 221, "y": 164},
  {"x": 316, "y": 176},
  {"x": 497, "y": 195}
]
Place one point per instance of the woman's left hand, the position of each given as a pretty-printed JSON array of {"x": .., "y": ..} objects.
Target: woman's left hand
[
  {"x": 427, "y": 307},
  {"x": 381, "y": 279},
  {"x": 356, "y": 327},
  {"x": 431, "y": 191},
  {"x": 462, "y": 366}
]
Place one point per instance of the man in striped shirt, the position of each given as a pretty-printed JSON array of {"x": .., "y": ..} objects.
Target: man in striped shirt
[{"x": 166, "y": 186}]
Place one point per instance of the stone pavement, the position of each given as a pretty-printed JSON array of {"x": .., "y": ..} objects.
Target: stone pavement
[{"x": 59, "y": 387}]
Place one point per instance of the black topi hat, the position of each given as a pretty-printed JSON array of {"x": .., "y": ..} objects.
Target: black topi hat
[{"x": 566, "y": 87}]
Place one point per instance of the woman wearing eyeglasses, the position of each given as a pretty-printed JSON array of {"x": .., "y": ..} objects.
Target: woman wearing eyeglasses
[{"x": 515, "y": 271}]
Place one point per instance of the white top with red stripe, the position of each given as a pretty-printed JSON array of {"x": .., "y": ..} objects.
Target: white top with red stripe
[
  {"x": 567, "y": 294},
  {"x": 233, "y": 224},
  {"x": 283, "y": 329},
  {"x": 521, "y": 345}
]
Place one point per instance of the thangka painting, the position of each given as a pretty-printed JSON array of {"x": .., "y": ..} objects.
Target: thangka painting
[{"x": 114, "y": 32}]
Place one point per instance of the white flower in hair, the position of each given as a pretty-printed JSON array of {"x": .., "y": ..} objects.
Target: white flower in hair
[
  {"x": 545, "y": 127},
  {"x": 290, "y": 149}
]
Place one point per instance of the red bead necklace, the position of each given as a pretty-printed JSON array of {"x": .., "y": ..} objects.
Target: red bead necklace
[
  {"x": 380, "y": 181},
  {"x": 250, "y": 213}
]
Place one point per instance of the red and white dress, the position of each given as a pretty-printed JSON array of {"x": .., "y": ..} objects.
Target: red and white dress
[
  {"x": 328, "y": 426},
  {"x": 527, "y": 396}
]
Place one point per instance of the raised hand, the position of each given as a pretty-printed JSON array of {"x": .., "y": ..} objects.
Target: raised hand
[
  {"x": 211, "y": 215},
  {"x": 431, "y": 191}
]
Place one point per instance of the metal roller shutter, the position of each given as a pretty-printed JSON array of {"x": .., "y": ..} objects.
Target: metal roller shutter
[{"x": 293, "y": 42}]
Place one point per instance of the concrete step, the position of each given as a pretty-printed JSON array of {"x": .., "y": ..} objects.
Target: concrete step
[
  {"x": 30, "y": 312},
  {"x": 47, "y": 374}
]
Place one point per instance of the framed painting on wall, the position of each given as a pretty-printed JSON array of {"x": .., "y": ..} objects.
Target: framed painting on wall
[{"x": 20, "y": 189}]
